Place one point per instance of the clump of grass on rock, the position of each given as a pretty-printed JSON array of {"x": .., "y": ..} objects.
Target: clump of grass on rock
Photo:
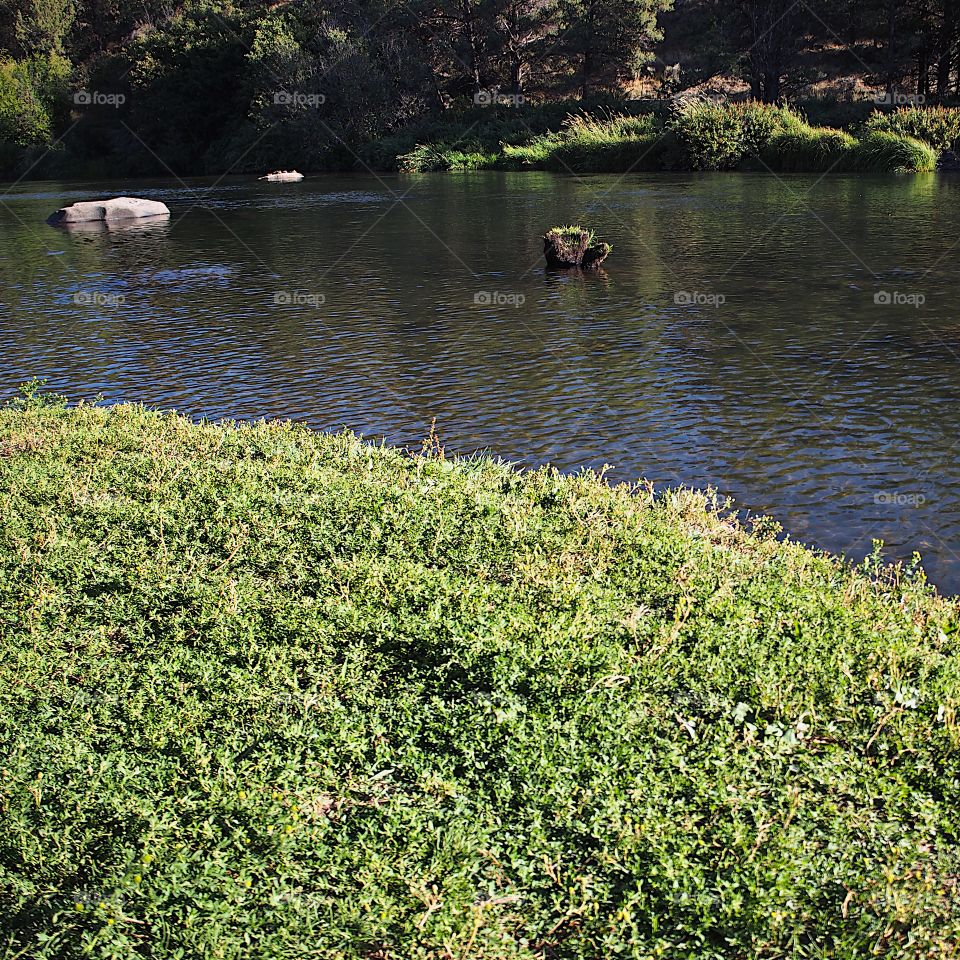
[
  {"x": 572, "y": 246},
  {"x": 273, "y": 693}
]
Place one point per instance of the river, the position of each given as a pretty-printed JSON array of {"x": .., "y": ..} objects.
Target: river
[{"x": 792, "y": 341}]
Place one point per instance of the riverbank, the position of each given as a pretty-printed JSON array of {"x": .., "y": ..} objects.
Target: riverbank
[
  {"x": 276, "y": 693},
  {"x": 604, "y": 135},
  {"x": 698, "y": 135}
]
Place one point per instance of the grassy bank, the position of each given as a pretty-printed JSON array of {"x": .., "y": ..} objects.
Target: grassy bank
[
  {"x": 602, "y": 135},
  {"x": 268, "y": 693},
  {"x": 699, "y": 135}
]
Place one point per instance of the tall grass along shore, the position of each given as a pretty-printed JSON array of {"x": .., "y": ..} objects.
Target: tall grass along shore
[
  {"x": 273, "y": 694},
  {"x": 693, "y": 135}
]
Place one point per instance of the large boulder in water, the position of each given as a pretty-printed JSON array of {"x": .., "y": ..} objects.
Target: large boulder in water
[{"x": 107, "y": 211}]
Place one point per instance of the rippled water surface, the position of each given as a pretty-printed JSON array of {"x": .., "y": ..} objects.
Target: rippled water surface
[{"x": 734, "y": 339}]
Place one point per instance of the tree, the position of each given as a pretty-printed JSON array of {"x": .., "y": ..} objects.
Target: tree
[
  {"x": 773, "y": 31},
  {"x": 608, "y": 40}
]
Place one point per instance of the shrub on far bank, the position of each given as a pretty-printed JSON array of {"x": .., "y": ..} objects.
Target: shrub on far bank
[
  {"x": 937, "y": 126},
  {"x": 33, "y": 99},
  {"x": 800, "y": 148},
  {"x": 721, "y": 136},
  {"x": 593, "y": 144},
  {"x": 696, "y": 135},
  {"x": 430, "y": 157},
  {"x": 881, "y": 152}
]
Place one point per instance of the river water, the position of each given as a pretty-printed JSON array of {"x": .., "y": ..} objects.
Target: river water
[{"x": 792, "y": 341}]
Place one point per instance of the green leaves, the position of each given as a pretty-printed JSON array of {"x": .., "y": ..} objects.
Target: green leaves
[{"x": 265, "y": 690}]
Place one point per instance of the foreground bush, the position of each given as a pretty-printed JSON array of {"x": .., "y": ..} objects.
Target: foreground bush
[{"x": 268, "y": 693}]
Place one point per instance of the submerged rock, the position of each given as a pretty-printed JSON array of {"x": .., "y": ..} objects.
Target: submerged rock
[
  {"x": 566, "y": 247},
  {"x": 283, "y": 176},
  {"x": 107, "y": 211}
]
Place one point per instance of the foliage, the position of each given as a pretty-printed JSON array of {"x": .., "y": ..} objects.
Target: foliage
[
  {"x": 275, "y": 693},
  {"x": 937, "y": 126},
  {"x": 33, "y": 95},
  {"x": 720, "y": 136},
  {"x": 802, "y": 148},
  {"x": 608, "y": 40},
  {"x": 699, "y": 135},
  {"x": 571, "y": 232},
  {"x": 42, "y": 26},
  {"x": 188, "y": 85},
  {"x": 599, "y": 143},
  {"x": 880, "y": 152}
]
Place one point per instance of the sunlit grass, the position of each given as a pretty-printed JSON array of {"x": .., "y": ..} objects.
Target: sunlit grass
[
  {"x": 273, "y": 693},
  {"x": 698, "y": 135}
]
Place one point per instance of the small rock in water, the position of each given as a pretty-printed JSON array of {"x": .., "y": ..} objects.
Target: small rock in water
[
  {"x": 107, "y": 211},
  {"x": 283, "y": 176}
]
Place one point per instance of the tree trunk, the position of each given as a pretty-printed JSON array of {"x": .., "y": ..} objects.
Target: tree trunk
[
  {"x": 891, "y": 41},
  {"x": 517, "y": 68},
  {"x": 588, "y": 64},
  {"x": 474, "y": 64},
  {"x": 948, "y": 29}
]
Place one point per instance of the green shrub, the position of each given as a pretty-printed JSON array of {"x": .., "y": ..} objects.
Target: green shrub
[
  {"x": 882, "y": 152},
  {"x": 803, "y": 149},
  {"x": 534, "y": 154},
  {"x": 937, "y": 126},
  {"x": 33, "y": 95},
  {"x": 699, "y": 135},
  {"x": 720, "y": 136},
  {"x": 617, "y": 143},
  {"x": 469, "y": 155}
]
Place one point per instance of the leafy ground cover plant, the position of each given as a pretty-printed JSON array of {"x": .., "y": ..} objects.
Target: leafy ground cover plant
[{"x": 270, "y": 693}]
